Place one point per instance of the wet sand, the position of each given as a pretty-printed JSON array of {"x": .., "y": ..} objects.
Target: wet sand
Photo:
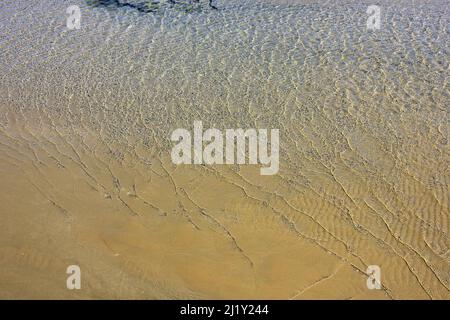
[{"x": 87, "y": 179}]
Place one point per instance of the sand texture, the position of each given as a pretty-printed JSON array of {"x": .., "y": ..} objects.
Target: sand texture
[{"x": 86, "y": 177}]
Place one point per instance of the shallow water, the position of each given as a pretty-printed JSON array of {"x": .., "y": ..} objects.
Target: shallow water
[{"x": 86, "y": 117}]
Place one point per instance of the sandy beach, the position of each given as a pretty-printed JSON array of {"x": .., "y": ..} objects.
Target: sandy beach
[{"x": 86, "y": 117}]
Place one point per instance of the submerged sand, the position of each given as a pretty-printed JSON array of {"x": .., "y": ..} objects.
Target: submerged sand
[{"x": 87, "y": 179}]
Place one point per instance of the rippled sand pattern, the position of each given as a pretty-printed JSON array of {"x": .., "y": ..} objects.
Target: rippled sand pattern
[{"x": 86, "y": 176}]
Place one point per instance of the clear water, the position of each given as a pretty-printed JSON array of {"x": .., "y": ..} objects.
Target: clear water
[{"x": 363, "y": 115}]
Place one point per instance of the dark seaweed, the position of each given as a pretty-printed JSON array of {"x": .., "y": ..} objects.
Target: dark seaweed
[{"x": 149, "y": 6}]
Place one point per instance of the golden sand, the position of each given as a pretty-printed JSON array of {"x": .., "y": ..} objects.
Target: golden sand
[{"x": 87, "y": 179}]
